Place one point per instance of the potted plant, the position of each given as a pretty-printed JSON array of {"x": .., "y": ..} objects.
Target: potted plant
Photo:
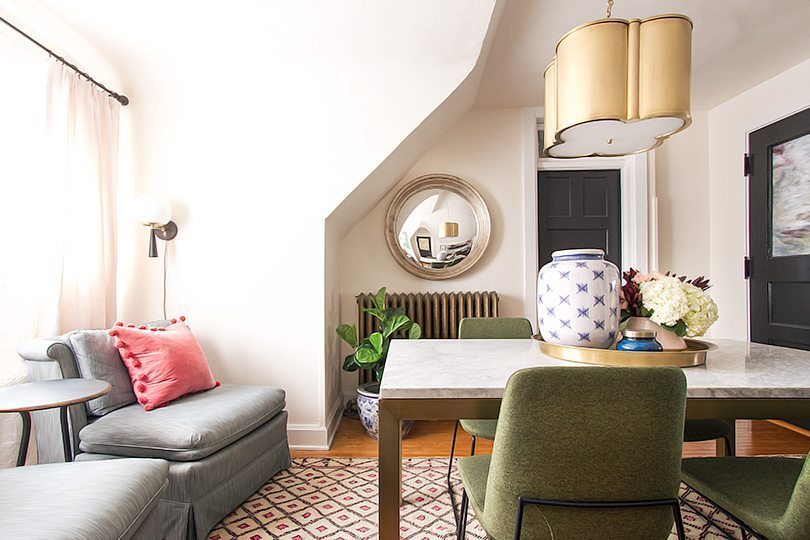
[
  {"x": 370, "y": 354},
  {"x": 672, "y": 306}
]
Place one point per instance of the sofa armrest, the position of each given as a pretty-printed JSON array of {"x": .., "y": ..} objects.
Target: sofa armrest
[
  {"x": 49, "y": 350},
  {"x": 49, "y": 359}
]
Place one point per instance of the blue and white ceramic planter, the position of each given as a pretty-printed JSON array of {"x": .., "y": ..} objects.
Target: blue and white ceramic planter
[
  {"x": 578, "y": 299},
  {"x": 368, "y": 409}
]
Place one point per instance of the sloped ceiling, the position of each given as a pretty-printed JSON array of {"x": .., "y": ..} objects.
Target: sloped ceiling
[{"x": 736, "y": 44}]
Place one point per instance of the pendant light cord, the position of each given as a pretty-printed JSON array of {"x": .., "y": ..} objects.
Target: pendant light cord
[
  {"x": 165, "y": 271},
  {"x": 609, "y": 8}
]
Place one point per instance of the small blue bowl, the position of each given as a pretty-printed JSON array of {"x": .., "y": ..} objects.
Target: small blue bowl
[{"x": 638, "y": 340}]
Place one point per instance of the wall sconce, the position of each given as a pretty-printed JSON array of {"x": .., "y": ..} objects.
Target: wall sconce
[{"x": 156, "y": 213}]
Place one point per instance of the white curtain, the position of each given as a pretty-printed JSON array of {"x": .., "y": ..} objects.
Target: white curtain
[
  {"x": 82, "y": 126},
  {"x": 58, "y": 167}
]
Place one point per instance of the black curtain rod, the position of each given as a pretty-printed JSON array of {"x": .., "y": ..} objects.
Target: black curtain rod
[{"x": 123, "y": 100}]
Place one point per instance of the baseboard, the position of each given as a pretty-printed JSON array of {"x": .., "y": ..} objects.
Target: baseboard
[
  {"x": 315, "y": 436},
  {"x": 307, "y": 437},
  {"x": 333, "y": 422}
]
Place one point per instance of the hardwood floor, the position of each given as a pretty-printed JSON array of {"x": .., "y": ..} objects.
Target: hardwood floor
[{"x": 430, "y": 439}]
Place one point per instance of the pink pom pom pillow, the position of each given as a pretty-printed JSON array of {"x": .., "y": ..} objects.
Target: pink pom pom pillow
[{"x": 163, "y": 363}]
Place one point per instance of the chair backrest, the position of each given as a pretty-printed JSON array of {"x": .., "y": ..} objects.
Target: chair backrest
[
  {"x": 587, "y": 434},
  {"x": 494, "y": 328},
  {"x": 795, "y": 522}
]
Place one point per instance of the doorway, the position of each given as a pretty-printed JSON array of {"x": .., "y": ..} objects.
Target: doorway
[
  {"x": 779, "y": 232},
  {"x": 579, "y": 209}
]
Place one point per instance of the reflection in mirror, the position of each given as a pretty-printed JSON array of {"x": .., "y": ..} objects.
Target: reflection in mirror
[{"x": 436, "y": 228}]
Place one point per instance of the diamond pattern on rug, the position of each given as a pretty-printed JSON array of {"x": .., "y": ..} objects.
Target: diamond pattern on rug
[{"x": 336, "y": 499}]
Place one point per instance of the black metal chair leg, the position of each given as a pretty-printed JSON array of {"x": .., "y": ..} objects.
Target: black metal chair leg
[
  {"x": 461, "y": 529},
  {"x": 452, "y": 452},
  {"x": 26, "y": 437},
  {"x": 450, "y": 472},
  {"x": 519, "y": 518},
  {"x": 731, "y": 440},
  {"x": 472, "y": 446},
  {"x": 676, "y": 510},
  {"x": 63, "y": 420}
]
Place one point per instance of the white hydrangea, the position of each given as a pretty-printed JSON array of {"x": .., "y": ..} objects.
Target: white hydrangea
[
  {"x": 666, "y": 298},
  {"x": 702, "y": 311}
]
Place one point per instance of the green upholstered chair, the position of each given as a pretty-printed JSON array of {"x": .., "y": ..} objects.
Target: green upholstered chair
[
  {"x": 485, "y": 328},
  {"x": 709, "y": 430},
  {"x": 770, "y": 495},
  {"x": 580, "y": 453},
  {"x": 495, "y": 328}
]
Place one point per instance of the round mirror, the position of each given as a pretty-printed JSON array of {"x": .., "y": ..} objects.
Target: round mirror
[{"x": 437, "y": 226}]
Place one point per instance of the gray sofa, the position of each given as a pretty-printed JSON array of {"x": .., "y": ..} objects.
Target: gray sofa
[
  {"x": 93, "y": 501},
  {"x": 221, "y": 445}
]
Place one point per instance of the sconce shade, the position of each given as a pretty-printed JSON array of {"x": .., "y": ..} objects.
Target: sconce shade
[
  {"x": 151, "y": 209},
  {"x": 448, "y": 229},
  {"x": 618, "y": 87}
]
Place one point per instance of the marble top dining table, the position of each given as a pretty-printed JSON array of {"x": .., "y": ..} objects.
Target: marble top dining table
[
  {"x": 452, "y": 379},
  {"x": 479, "y": 368}
]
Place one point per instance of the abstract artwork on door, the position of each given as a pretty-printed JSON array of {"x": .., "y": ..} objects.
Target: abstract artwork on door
[{"x": 790, "y": 163}]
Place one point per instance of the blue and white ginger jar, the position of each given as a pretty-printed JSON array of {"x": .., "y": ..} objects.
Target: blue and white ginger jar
[{"x": 578, "y": 299}]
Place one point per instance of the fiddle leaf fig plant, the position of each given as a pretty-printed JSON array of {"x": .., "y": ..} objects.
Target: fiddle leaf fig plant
[{"x": 371, "y": 352}]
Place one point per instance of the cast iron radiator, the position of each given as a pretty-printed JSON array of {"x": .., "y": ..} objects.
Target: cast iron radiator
[{"x": 437, "y": 313}]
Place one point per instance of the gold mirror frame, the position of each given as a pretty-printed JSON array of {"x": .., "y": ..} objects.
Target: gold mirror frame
[{"x": 452, "y": 184}]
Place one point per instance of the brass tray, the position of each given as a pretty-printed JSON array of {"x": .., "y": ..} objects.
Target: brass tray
[{"x": 694, "y": 355}]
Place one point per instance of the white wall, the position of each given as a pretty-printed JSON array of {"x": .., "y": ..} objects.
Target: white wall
[
  {"x": 682, "y": 189},
  {"x": 256, "y": 137},
  {"x": 729, "y": 125},
  {"x": 485, "y": 148}
]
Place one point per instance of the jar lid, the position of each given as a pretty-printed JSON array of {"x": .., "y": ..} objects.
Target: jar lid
[
  {"x": 642, "y": 334},
  {"x": 578, "y": 252}
]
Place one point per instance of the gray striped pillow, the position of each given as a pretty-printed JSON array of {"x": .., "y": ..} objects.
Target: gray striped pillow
[{"x": 97, "y": 358}]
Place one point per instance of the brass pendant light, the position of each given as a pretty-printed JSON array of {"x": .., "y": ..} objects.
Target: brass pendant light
[
  {"x": 617, "y": 87},
  {"x": 448, "y": 229}
]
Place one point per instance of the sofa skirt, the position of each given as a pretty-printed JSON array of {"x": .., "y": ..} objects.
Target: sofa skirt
[{"x": 203, "y": 492}]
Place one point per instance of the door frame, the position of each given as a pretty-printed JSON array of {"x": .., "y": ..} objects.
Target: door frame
[{"x": 638, "y": 204}]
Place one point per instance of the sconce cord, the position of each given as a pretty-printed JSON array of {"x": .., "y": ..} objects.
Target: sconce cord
[{"x": 165, "y": 271}]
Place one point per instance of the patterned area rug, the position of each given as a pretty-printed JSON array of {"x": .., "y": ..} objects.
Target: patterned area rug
[{"x": 336, "y": 499}]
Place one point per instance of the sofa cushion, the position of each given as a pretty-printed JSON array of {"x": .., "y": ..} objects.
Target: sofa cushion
[
  {"x": 94, "y": 501},
  {"x": 97, "y": 358},
  {"x": 187, "y": 429}
]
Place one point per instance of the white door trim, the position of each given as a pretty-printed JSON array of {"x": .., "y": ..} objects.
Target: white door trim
[{"x": 639, "y": 218}]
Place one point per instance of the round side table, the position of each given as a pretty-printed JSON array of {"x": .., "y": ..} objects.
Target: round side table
[{"x": 41, "y": 395}]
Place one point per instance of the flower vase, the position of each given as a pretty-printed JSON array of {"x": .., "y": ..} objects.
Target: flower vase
[
  {"x": 578, "y": 299},
  {"x": 669, "y": 340}
]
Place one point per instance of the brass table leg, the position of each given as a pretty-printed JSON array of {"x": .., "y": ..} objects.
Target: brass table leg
[{"x": 390, "y": 472}]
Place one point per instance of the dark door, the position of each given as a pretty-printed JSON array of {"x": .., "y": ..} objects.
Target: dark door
[
  {"x": 779, "y": 232},
  {"x": 579, "y": 209}
]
